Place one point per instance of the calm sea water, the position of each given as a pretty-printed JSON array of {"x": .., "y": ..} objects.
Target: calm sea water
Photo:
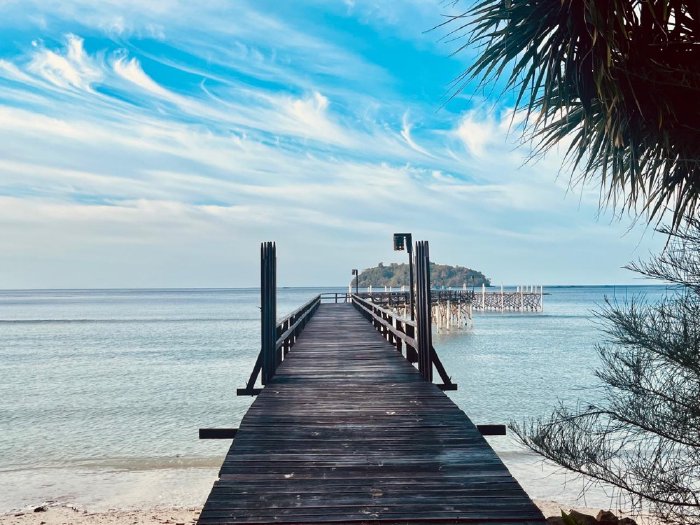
[{"x": 102, "y": 391}]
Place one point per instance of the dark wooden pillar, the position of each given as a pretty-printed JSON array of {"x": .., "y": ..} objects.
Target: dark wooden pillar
[
  {"x": 423, "y": 311},
  {"x": 268, "y": 309}
]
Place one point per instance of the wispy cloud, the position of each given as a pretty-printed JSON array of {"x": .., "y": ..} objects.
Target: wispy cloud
[
  {"x": 72, "y": 69},
  {"x": 130, "y": 70},
  {"x": 167, "y": 127}
]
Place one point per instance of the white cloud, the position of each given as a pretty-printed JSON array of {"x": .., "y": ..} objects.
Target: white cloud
[
  {"x": 130, "y": 69},
  {"x": 310, "y": 118},
  {"x": 71, "y": 69},
  {"x": 478, "y": 133},
  {"x": 406, "y": 134},
  {"x": 12, "y": 72},
  {"x": 410, "y": 19},
  {"x": 256, "y": 141}
]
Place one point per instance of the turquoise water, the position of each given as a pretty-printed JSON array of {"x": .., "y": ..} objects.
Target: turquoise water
[{"x": 104, "y": 390}]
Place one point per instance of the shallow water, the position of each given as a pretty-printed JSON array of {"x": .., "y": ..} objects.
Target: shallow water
[{"x": 103, "y": 391}]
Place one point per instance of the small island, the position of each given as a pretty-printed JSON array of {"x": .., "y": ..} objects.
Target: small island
[{"x": 441, "y": 275}]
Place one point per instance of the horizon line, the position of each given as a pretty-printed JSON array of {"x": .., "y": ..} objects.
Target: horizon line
[{"x": 204, "y": 288}]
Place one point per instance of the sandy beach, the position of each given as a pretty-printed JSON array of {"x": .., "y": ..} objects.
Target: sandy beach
[
  {"x": 176, "y": 495},
  {"x": 68, "y": 515},
  {"x": 72, "y": 515}
]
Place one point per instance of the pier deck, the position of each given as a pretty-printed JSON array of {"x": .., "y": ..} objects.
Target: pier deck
[{"x": 347, "y": 431}]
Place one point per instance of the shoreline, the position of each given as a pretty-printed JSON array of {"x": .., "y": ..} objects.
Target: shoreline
[
  {"x": 106, "y": 496},
  {"x": 68, "y": 514},
  {"x": 120, "y": 465}
]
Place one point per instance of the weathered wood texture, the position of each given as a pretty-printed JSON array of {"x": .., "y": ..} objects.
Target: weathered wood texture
[{"x": 347, "y": 431}]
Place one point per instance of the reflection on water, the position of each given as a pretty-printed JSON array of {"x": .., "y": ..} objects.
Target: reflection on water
[{"x": 103, "y": 387}]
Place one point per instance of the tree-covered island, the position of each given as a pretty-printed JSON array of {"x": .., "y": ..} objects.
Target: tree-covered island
[{"x": 441, "y": 275}]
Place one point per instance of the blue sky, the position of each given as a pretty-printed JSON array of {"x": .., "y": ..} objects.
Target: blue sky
[{"x": 156, "y": 143}]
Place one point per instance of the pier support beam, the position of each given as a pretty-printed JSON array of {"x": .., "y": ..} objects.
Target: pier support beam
[{"x": 217, "y": 433}]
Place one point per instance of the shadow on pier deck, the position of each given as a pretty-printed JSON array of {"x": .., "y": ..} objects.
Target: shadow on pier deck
[{"x": 348, "y": 431}]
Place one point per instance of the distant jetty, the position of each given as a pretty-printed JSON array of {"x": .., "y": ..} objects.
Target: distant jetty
[{"x": 441, "y": 276}]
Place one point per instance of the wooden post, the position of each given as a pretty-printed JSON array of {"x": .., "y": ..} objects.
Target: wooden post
[
  {"x": 268, "y": 309},
  {"x": 423, "y": 311},
  {"x": 400, "y": 328},
  {"x": 522, "y": 300},
  {"x": 279, "y": 330},
  {"x": 286, "y": 346},
  {"x": 389, "y": 333}
]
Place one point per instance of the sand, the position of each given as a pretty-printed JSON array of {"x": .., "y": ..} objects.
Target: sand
[
  {"x": 74, "y": 516},
  {"x": 71, "y": 515}
]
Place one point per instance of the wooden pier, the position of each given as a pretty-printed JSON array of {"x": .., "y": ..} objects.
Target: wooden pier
[
  {"x": 347, "y": 430},
  {"x": 522, "y": 299}
]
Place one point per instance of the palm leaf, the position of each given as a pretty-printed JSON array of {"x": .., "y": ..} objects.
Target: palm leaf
[{"x": 619, "y": 78}]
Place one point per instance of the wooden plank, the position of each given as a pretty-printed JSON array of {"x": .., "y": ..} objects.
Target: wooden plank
[
  {"x": 248, "y": 391},
  {"x": 347, "y": 431},
  {"x": 492, "y": 430},
  {"x": 217, "y": 433}
]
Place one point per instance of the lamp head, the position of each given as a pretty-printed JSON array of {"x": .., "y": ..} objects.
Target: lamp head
[{"x": 401, "y": 240}]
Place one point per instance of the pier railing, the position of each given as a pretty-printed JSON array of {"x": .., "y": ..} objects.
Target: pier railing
[
  {"x": 335, "y": 297},
  {"x": 289, "y": 328},
  {"x": 415, "y": 335},
  {"x": 397, "y": 330},
  {"x": 276, "y": 337},
  {"x": 287, "y": 331},
  {"x": 402, "y": 298},
  {"x": 401, "y": 332}
]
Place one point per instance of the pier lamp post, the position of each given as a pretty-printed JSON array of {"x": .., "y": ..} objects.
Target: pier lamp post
[
  {"x": 357, "y": 281},
  {"x": 404, "y": 241}
]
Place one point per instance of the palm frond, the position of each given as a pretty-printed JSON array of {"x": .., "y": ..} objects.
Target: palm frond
[{"x": 619, "y": 79}]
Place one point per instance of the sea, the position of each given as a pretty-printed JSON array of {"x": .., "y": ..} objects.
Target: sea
[{"x": 102, "y": 392}]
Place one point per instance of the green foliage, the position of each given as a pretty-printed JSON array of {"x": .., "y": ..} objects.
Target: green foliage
[
  {"x": 617, "y": 84},
  {"x": 615, "y": 81},
  {"x": 642, "y": 435},
  {"x": 441, "y": 275}
]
